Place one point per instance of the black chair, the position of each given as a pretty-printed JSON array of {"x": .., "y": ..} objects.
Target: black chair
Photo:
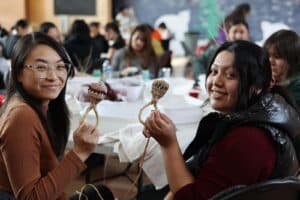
[
  {"x": 2, "y": 81},
  {"x": 6, "y": 196},
  {"x": 286, "y": 189},
  {"x": 165, "y": 44},
  {"x": 165, "y": 59},
  {"x": 95, "y": 160}
]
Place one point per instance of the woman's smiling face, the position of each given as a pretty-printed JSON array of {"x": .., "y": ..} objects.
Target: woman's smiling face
[
  {"x": 222, "y": 83},
  {"x": 43, "y": 89}
]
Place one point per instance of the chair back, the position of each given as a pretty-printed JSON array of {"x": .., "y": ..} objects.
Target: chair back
[
  {"x": 6, "y": 196},
  {"x": 287, "y": 189},
  {"x": 165, "y": 59}
]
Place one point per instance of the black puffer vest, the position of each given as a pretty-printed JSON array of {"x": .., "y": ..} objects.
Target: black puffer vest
[{"x": 271, "y": 113}]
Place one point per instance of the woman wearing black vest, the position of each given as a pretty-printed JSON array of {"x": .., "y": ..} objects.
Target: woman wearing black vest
[{"x": 247, "y": 141}]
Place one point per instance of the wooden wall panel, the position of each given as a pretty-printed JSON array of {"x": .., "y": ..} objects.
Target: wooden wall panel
[
  {"x": 44, "y": 11},
  {"x": 38, "y": 11},
  {"x": 11, "y": 11}
]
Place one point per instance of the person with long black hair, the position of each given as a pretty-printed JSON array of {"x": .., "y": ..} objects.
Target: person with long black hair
[
  {"x": 50, "y": 29},
  {"x": 247, "y": 141},
  {"x": 81, "y": 48},
  {"x": 35, "y": 124}
]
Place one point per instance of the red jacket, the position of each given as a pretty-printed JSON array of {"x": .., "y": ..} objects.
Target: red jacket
[{"x": 244, "y": 156}]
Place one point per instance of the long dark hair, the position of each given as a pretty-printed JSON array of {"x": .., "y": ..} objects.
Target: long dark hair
[
  {"x": 241, "y": 11},
  {"x": 57, "y": 122},
  {"x": 147, "y": 54},
  {"x": 253, "y": 67},
  {"x": 79, "y": 30},
  {"x": 286, "y": 44},
  {"x": 46, "y": 26}
]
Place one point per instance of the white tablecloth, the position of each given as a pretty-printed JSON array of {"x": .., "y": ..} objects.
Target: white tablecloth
[{"x": 121, "y": 130}]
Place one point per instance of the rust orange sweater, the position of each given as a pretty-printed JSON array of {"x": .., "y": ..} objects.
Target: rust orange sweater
[{"x": 29, "y": 168}]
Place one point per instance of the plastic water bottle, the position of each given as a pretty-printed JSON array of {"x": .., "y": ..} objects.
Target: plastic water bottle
[
  {"x": 146, "y": 74},
  {"x": 166, "y": 72},
  {"x": 106, "y": 70}
]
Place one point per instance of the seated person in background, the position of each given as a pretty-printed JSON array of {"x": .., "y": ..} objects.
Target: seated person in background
[
  {"x": 2, "y": 87},
  {"x": 156, "y": 41},
  {"x": 35, "y": 124},
  {"x": 22, "y": 28},
  {"x": 51, "y": 30},
  {"x": 284, "y": 51},
  {"x": 79, "y": 45},
  {"x": 139, "y": 53},
  {"x": 241, "y": 11},
  {"x": 3, "y": 32},
  {"x": 126, "y": 20},
  {"x": 225, "y": 149},
  {"x": 4, "y": 70},
  {"x": 114, "y": 38},
  {"x": 98, "y": 39},
  {"x": 166, "y": 36},
  {"x": 237, "y": 29}
]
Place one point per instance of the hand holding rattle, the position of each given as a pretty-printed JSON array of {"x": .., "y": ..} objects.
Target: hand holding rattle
[
  {"x": 159, "y": 89},
  {"x": 96, "y": 93}
]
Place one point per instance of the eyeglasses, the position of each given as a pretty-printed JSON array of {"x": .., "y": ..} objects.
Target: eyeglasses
[{"x": 42, "y": 69}]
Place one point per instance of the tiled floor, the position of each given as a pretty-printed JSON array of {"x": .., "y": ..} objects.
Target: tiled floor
[{"x": 121, "y": 186}]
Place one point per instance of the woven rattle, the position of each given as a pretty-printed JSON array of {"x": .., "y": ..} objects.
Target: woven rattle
[
  {"x": 159, "y": 89},
  {"x": 96, "y": 93}
]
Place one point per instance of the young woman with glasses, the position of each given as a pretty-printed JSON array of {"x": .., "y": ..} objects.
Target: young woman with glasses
[{"x": 35, "y": 124}]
